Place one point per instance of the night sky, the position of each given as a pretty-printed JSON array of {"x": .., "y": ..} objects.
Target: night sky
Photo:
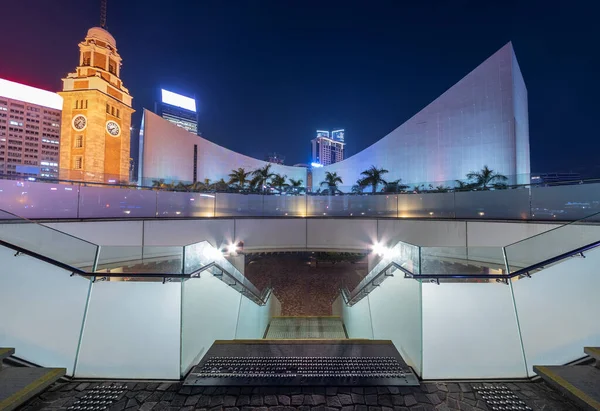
[{"x": 267, "y": 74}]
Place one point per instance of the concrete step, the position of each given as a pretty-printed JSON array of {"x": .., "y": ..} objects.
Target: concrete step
[
  {"x": 580, "y": 383},
  {"x": 20, "y": 384},
  {"x": 294, "y": 328},
  {"x": 593, "y": 352}
]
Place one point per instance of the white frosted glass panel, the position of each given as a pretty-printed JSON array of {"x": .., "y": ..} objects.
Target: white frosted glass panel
[
  {"x": 292, "y": 206},
  {"x": 430, "y": 205},
  {"x": 501, "y": 204},
  {"x": 230, "y": 204},
  {"x": 423, "y": 233},
  {"x": 341, "y": 234},
  {"x": 173, "y": 204},
  {"x": 357, "y": 319},
  {"x": 150, "y": 259},
  {"x": 558, "y": 310},
  {"x": 49, "y": 242},
  {"x": 470, "y": 331},
  {"x": 253, "y": 319},
  {"x": 42, "y": 308},
  {"x": 39, "y": 200},
  {"x": 571, "y": 202},
  {"x": 103, "y": 232},
  {"x": 131, "y": 331},
  {"x": 104, "y": 202},
  {"x": 209, "y": 312},
  {"x": 396, "y": 316},
  {"x": 271, "y": 233}
]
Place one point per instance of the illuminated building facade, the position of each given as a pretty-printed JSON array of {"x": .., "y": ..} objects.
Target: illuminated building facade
[
  {"x": 328, "y": 149},
  {"x": 171, "y": 153},
  {"x": 29, "y": 130},
  {"x": 481, "y": 120},
  {"x": 96, "y": 114},
  {"x": 179, "y": 110}
]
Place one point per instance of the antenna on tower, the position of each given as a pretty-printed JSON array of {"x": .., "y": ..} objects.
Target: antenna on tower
[{"x": 103, "y": 13}]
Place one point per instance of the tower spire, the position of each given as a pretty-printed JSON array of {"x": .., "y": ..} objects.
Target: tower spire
[{"x": 103, "y": 14}]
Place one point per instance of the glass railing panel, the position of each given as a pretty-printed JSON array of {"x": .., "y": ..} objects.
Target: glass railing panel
[
  {"x": 233, "y": 205},
  {"x": 569, "y": 202},
  {"x": 284, "y": 206},
  {"x": 380, "y": 205},
  {"x": 108, "y": 202},
  {"x": 426, "y": 205},
  {"x": 47, "y": 241},
  {"x": 137, "y": 259},
  {"x": 501, "y": 204},
  {"x": 253, "y": 319},
  {"x": 39, "y": 200},
  {"x": 396, "y": 312},
  {"x": 558, "y": 310},
  {"x": 37, "y": 298},
  {"x": 402, "y": 254},
  {"x": 328, "y": 205},
  {"x": 132, "y": 330},
  {"x": 553, "y": 243},
  {"x": 172, "y": 204},
  {"x": 474, "y": 321},
  {"x": 463, "y": 261},
  {"x": 201, "y": 254}
]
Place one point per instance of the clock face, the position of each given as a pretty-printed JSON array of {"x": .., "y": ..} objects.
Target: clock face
[
  {"x": 113, "y": 128},
  {"x": 79, "y": 122}
]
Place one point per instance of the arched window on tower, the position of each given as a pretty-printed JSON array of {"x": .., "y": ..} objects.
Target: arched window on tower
[
  {"x": 76, "y": 104},
  {"x": 107, "y": 108}
]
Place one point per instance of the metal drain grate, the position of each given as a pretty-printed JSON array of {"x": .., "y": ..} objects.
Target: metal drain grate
[
  {"x": 99, "y": 398},
  {"x": 501, "y": 398}
]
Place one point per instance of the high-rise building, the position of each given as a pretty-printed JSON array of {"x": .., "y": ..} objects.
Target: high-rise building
[
  {"x": 29, "y": 130},
  {"x": 96, "y": 114},
  {"x": 179, "y": 110},
  {"x": 328, "y": 150}
]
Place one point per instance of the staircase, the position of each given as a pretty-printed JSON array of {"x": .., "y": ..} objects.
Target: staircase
[
  {"x": 300, "y": 328},
  {"x": 580, "y": 383},
  {"x": 20, "y": 384}
]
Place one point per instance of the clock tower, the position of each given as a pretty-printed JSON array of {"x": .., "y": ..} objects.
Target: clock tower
[{"x": 96, "y": 115}]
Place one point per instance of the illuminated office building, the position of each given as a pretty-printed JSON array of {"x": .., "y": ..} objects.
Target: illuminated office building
[
  {"x": 29, "y": 130},
  {"x": 179, "y": 110},
  {"x": 328, "y": 149}
]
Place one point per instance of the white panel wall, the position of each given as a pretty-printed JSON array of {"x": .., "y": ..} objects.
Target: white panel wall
[
  {"x": 275, "y": 234},
  {"x": 341, "y": 234},
  {"x": 423, "y": 232},
  {"x": 396, "y": 316},
  {"x": 470, "y": 331},
  {"x": 103, "y": 232},
  {"x": 41, "y": 310},
  {"x": 183, "y": 232},
  {"x": 131, "y": 331},
  {"x": 558, "y": 311},
  {"x": 253, "y": 319},
  {"x": 488, "y": 233},
  {"x": 357, "y": 319},
  {"x": 209, "y": 312}
]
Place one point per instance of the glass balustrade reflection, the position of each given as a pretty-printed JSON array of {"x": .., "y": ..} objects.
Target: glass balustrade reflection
[
  {"x": 121, "y": 260},
  {"x": 463, "y": 261}
]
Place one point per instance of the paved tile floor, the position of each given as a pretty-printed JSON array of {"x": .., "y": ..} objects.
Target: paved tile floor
[{"x": 155, "y": 396}]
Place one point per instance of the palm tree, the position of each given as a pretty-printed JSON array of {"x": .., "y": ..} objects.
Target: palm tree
[
  {"x": 462, "y": 185},
  {"x": 418, "y": 188},
  {"x": 485, "y": 178},
  {"x": 295, "y": 185},
  {"x": 196, "y": 186},
  {"x": 373, "y": 177},
  {"x": 239, "y": 177},
  {"x": 180, "y": 186},
  {"x": 394, "y": 186},
  {"x": 278, "y": 181},
  {"x": 262, "y": 176},
  {"x": 357, "y": 189},
  {"x": 221, "y": 185},
  {"x": 331, "y": 181}
]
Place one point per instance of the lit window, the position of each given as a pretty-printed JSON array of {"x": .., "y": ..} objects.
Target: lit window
[
  {"x": 78, "y": 141},
  {"x": 78, "y": 163}
]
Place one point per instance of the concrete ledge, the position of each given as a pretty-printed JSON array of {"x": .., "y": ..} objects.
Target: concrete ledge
[
  {"x": 580, "y": 383},
  {"x": 19, "y": 384}
]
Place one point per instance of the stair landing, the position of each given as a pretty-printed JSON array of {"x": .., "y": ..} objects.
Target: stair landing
[
  {"x": 580, "y": 383},
  {"x": 298, "y": 328}
]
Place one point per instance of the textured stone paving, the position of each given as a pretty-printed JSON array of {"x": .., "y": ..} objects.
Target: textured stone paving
[{"x": 157, "y": 396}]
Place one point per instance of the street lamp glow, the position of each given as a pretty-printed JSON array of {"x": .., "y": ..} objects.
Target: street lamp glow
[
  {"x": 379, "y": 249},
  {"x": 232, "y": 248}
]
